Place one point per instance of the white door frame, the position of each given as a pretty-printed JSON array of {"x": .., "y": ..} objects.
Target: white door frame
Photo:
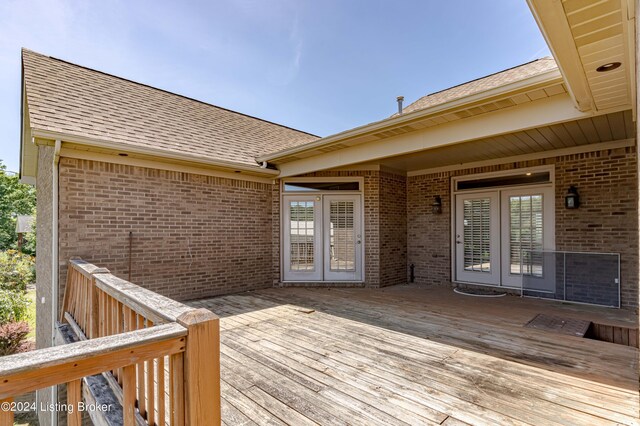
[
  {"x": 548, "y": 227},
  {"x": 283, "y": 224},
  {"x": 454, "y": 192},
  {"x": 356, "y": 273},
  {"x": 493, "y": 276},
  {"x": 316, "y": 273}
]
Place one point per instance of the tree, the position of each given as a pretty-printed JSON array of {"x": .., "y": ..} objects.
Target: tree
[{"x": 15, "y": 199}]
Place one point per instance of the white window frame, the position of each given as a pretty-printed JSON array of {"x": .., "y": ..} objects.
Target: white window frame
[{"x": 360, "y": 193}]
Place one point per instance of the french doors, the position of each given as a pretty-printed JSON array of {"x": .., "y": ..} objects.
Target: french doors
[
  {"x": 499, "y": 235},
  {"x": 322, "y": 237}
]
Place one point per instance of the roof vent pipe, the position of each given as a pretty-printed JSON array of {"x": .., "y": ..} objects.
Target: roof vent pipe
[{"x": 400, "y": 99}]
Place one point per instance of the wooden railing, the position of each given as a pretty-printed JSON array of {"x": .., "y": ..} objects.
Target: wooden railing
[{"x": 160, "y": 358}]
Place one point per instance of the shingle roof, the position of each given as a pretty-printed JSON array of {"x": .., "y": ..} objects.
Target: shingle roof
[
  {"x": 492, "y": 81},
  {"x": 67, "y": 98}
]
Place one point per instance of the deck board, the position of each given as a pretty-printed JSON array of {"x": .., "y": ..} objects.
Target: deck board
[{"x": 410, "y": 355}]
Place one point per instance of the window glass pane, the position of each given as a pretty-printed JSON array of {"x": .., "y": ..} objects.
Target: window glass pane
[
  {"x": 301, "y": 229},
  {"x": 521, "y": 179},
  {"x": 321, "y": 186},
  {"x": 526, "y": 234},
  {"x": 477, "y": 235},
  {"x": 342, "y": 239}
]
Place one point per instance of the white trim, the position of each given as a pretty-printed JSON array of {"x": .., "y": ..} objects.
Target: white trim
[
  {"x": 492, "y": 277},
  {"x": 551, "y": 169},
  {"x": 318, "y": 239},
  {"x": 552, "y": 21},
  {"x": 622, "y": 143},
  {"x": 548, "y": 226},
  {"x": 323, "y": 179},
  {"x": 356, "y": 273},
  {"x": 542, "y": 112},
  {"x": 358, "y": 179},
  {"x": 363, "y": 225},
  {"x": 54, "y": 261},
  {"x": 545, "y": 79},
  {"x": 128, "y": 148},
  {"x": 499, "y": 190},
  {"x": 160, "y": 165}
]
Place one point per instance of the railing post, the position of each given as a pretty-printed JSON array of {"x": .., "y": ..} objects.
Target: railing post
[
  {"x": 74, "y": 396},
  {"x": 94, "y": 317},
  {"x": 6, "y": 413},
  {"x": 201, "y": 367}
]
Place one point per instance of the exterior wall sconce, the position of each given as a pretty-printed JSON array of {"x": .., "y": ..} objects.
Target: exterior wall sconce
[
  {"x": 436, "y": 207},
  {"x": 572, "y": 199}
]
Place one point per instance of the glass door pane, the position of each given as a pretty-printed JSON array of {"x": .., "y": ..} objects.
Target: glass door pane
[
  {"x": 301, "y": 233},
  {"x": 342, "y": 244},
  {"x": 343, "y": 238},
  {"x": 478, "y": 238},
  {"x": 477, "y": 235},
  {"x": 525, "y": 234},
  {"x": 302, "y": 249},
  {"x": 527, "y": 229}
]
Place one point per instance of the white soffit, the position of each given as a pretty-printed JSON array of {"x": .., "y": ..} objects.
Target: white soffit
[
  {"x": 572, "y": 134},
  {"x": 584, "y": 35}
]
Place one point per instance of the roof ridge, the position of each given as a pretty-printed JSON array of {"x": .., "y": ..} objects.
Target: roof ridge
[
  {"x": 24, "y": 49},
  {"x": 482, "y": 78}
]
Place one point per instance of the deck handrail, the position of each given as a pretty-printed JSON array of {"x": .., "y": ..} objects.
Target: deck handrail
[
  {"x": 62, "y": 364},
  {"x": 129, "y": 334}
]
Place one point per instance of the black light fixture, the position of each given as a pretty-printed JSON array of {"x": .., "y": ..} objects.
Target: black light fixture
[
  {"x": 572, "y": 199},
  {"x": 436, "y": 207},
  {"x": 608, "y": 67}
]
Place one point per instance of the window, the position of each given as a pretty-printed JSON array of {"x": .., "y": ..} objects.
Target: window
[{"x": 316, "y": 186}]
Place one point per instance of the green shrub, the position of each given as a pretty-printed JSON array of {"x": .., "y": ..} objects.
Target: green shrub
[
  {"x": 16, "y": 270},
  {"x": 13, "y": 306},
  {"x": 13, "y": 338}
]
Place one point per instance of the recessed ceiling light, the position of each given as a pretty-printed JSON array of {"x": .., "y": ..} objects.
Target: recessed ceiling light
[{"x": 608, "y": 67}]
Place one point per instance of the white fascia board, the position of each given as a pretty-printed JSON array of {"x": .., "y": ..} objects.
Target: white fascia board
[
  {"x": 149, "y": 151},
  {"x": 544, "y": 79},
  {"x": 552, "y": 21},
  {"x": 542, "y": 112}
]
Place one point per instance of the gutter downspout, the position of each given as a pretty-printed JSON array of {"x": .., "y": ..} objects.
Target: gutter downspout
[{"x": 54, "y": 262}]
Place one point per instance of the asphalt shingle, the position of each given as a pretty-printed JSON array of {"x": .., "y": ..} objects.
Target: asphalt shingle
[
  {"x": 492, "y": 81},
  {"x": 78, "y": 101}
]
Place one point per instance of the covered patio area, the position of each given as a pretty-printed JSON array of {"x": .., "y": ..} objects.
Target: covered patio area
[{"x": 416, "y": 355}]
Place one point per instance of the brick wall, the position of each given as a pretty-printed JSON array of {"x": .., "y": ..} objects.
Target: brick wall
[
  {"x": 607, "y": 220},
  {"x": 428, "y": 234},
  {"x": 393, "y": 229},
  {"x": 194, "y": 236}
]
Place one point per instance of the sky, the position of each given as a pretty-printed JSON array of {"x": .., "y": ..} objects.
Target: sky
[{"x": 318, "y": 66}]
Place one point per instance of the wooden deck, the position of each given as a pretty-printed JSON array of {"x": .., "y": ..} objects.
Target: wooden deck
[{"x": 410, "y": 355}]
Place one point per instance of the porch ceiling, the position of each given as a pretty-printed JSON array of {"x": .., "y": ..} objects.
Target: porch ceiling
[
  {"x": 571, "y": 134},
  {"x": 584, "y": 35}
]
